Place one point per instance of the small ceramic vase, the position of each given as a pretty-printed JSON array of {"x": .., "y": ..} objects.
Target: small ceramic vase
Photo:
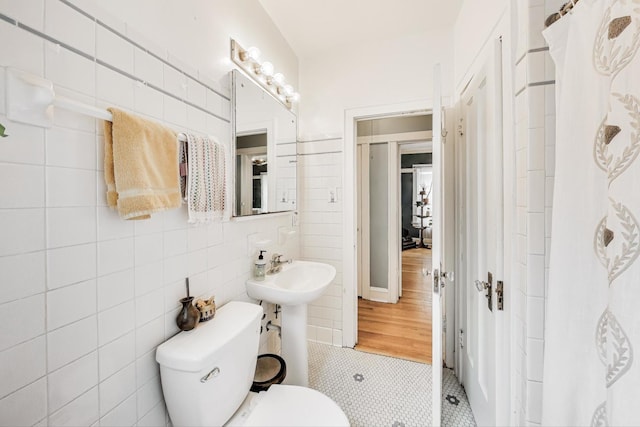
[{"x": 189, "y": 316}]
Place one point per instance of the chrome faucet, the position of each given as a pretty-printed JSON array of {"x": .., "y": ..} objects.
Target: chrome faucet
[{"x": 276, "y": 264}]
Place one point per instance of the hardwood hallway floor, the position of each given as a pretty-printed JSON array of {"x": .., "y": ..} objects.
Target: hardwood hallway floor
[{"x": 401, "y": 330}]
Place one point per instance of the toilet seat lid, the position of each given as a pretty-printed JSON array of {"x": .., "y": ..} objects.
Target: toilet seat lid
[{"x": 290, "y": 405}]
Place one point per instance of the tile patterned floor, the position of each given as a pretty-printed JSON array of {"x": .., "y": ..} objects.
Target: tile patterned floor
[{"x": 376, "y": 390}]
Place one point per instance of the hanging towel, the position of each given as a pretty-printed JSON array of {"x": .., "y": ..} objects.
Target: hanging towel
[
  {"x": 140, "y": 166},
  {"x": 206, "y": 179}
]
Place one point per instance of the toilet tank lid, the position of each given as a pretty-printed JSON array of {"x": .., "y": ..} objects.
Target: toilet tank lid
[{"x": 190, "y": 350}]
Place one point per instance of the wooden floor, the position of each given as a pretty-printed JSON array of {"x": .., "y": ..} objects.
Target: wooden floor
[{"x": 401, "y": 330}]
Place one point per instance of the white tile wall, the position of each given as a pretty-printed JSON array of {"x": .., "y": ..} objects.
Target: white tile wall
[
  {"x": 535, "y": 111},
  {"x": 86, "y": 297},
  {"x": 320, "y": 168}
]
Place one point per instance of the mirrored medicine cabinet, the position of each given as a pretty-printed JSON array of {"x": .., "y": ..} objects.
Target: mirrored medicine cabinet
[{"x": 265, "y": 162}]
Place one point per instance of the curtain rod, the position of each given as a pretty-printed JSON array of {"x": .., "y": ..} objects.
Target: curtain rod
[{"x": 566, "y": 8}]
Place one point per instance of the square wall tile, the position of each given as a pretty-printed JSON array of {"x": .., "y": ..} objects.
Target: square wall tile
[
  {"x": 125, "y": 414},
  {"x": 149, "y": 101},
  {"x": 19, "y": 53},
  {"x": 534, "y": 401},
  {"x": 71, "y": 264},
  {"x": 115, "y": 255},
  {"x": 115, "y": 289},
  {"x": 149, "y": 336},
  {"x": 148, "y": 68},
  {"x": 26, "y": 144},
  {"x": 116, "y": 355},
  {"x": 70, "y": 187},
  {"x": 535, "y": 318},
  {"x": 148, "y": 278},
  {"x": 111, "y": 226},
  {"x": 535, "y": 276},
  {"x": 116, "y": 322},
  {"x": 67, "y": 69},
  {"x": 23, "y": 276},
  {"x": 535, "y": 67},
  {"x": 118, "y": 387},
  {"x": 149, "y": 395},
  {"x": 21, "y": 231},
  {"x": 535, "y": 359},
  {"x": 536, "y": 112},
  {"x": 15, "y": 327},
  {"x": 70, "y": 226},
  {"x": 83, "y": 411},
  {"x": 155, "y": 417},
  {"x": 70, "y": 342},
  {"x": 72, "y": 381},
  {"x": 65, "y": 24},
  {"x": 71, "y": 148},
  {"x": 27, "y": 363},
  {"x": 535, "y": 238},
  {"x": 70, "y": 304},
  {"x": 146, "y": 368},
  {"x": 114, "y": 50},
  {"x": 114, "y": 88},
  {"x": 25, "y": 407},
  {"x": 31, "y": 14},
  {"x": 21, "y": 186},
  {"x": 149, "y": 307}
]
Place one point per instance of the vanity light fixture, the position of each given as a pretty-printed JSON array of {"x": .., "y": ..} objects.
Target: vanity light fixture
[{"x": 263, "y": 73}]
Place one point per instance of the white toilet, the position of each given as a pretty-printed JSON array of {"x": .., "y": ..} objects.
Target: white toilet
[{"x": 207, "y": 373}]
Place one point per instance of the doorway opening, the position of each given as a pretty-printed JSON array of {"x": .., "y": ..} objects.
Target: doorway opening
[{"x": 393, "y": 158}]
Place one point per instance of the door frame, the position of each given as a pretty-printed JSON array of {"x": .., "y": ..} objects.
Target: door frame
[
  {"x": 395, "y": 143},
  {"x": 350, "y": 212}
]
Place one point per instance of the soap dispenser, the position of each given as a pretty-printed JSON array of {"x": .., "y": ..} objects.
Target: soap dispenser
[{"x": 260, "y": 267}]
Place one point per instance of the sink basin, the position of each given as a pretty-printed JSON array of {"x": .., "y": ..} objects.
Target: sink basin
[{"x": 298, "y": 283}]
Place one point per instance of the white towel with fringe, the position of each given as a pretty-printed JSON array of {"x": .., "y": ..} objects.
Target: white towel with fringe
[{"x": 206, "y": 179}]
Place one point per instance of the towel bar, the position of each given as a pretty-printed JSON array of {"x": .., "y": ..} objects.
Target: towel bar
[{"x": 31, "y": 100}]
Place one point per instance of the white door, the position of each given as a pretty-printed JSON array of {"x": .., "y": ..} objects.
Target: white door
[
  {"x": 438, "y": 276},
  {"x": 482, "y": 124}
]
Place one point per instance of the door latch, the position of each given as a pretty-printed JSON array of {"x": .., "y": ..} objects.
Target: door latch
[
  {"x": 488, "y": 285},
  {"x": 500, "y": 295}
]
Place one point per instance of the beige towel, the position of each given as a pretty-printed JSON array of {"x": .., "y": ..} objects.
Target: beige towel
[{"x": 140, "y": 166}]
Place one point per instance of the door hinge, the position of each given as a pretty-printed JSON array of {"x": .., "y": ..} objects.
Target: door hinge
[
  {"x": 444, "y": 324},
  {"x": 500, "y": 295},
  {"x": 461, "y": 338}
]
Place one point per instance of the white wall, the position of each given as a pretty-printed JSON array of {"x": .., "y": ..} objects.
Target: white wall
[
  {"x": 476, "y": 22},
  {"x": 390, "y": 72},
  {"x": 85, "y": 297}
]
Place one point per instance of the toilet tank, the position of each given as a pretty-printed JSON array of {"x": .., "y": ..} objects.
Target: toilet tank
[{"x": 207, "y": 372}]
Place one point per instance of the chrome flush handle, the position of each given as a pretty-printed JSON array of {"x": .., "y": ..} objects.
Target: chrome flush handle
[{"x": 214, "y": 373}]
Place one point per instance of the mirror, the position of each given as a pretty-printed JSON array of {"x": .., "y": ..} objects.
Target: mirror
[{"x": 265, "y": 134}]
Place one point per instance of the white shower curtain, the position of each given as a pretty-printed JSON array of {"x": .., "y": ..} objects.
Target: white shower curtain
[{"x": 592, "y": 328}]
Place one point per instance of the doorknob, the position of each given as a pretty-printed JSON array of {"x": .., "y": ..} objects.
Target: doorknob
[
  {"x": 480, "y": 285},
  {"x": 488, "y": 285},
  {"x": 449, "y": 275}
]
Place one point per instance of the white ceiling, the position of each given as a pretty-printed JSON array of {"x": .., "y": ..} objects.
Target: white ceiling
[{"x": 314, "y": 25}]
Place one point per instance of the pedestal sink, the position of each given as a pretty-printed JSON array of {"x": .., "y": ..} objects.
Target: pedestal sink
[{"x": 293, "y": 288}]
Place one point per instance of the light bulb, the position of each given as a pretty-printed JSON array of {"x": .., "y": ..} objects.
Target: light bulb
[
  {"x": 267, "y": 69},
  {"x": 278, "y": 79},
  {"x": 251, "y": 54},
  {"x": 294, "y": 97},
  {"x": 287, "y": 90}
]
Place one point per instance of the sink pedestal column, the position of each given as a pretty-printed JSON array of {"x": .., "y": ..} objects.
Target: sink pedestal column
[{"x": 294, "y": 344}]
